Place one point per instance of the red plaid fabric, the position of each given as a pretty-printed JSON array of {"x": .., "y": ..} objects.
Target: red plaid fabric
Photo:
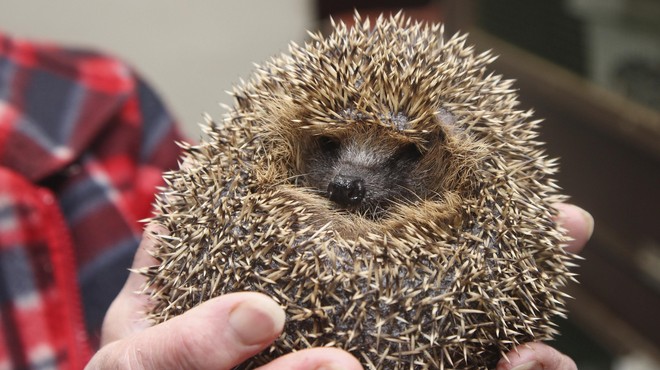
[{"x": 83, "y": 143}]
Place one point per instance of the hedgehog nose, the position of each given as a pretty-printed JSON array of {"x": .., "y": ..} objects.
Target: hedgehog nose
[{"x": 346, "y": 190}]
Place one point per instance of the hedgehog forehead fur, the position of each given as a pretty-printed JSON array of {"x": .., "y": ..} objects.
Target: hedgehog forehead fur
[
  {"x": 465, "y": 262},
  {"x": 394, "y": 85}
]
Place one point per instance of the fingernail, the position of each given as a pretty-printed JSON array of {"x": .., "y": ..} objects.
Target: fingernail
[
  {"x": 533, "y": 365},
  {"x": 257, "y": 320},
  {"x": 567, "y": 211},
  {"x": 330, "y": 367},
  {"x": 589, "y": 219}
]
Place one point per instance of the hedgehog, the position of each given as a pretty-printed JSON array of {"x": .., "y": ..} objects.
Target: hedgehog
[{"x": 382, "y": 186}]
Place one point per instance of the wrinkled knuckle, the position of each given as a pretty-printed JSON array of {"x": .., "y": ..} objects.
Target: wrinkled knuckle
[
  {"x": 136, "y": 359},
  {"x": 192, "y": 351},
  {"x": 188, "y": 351},
  {"x": 569, "y": 364},
  {"x": 559, "y": 361}
]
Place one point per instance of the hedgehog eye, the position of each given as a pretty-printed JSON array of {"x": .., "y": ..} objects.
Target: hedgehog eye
[
  {"x": 328, "y": 144},
  {"x": 445, "y": 117},
  {"x": 441, "y": 136},
  {"x": 409, "y": 152}
]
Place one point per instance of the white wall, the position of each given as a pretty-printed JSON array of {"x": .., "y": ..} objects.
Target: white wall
[{"x": 191, "y": 52}]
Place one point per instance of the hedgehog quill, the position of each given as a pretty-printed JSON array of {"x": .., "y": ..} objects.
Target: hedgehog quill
[{"x": 382, "y": 186}]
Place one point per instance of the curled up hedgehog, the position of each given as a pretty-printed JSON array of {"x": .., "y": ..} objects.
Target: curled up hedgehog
[{"x": 381, "y": 185}]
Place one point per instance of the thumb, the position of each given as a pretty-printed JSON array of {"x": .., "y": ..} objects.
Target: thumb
[{"x": 218, "y": 334}]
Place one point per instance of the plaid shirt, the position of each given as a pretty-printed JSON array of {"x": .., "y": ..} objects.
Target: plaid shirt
[{"x": 83, "y": 143}]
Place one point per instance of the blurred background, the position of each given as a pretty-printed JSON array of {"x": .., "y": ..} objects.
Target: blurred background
[{"x": 591, "y": 68}]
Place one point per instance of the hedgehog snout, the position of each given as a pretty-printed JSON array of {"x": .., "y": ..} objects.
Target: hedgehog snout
[{"x": 346, "y": 190}]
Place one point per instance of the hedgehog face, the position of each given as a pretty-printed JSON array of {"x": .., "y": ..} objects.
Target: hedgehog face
[
  {"x": 366, "y": 166},
  {"x": 361, "y": 173}
]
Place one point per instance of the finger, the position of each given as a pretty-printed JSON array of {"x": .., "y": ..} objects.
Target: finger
[
  {"x": 126, "y": 314},
  {"x": 143, "y": 257},
  {"x": 315, "y": 359},
  {"x": 218, "y": 334},
  {"x": 536, "y": 356},
  {"x": 578, "y": 223}
]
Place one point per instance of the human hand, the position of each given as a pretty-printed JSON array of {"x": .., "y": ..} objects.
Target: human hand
[
  {"x": 213, "y": 336},
  {"x": 532, "y": 356},
  {"x": 218, "y": 334}
]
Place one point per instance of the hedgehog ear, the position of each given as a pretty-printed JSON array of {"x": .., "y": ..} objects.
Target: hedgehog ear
[
  {"x": 441, "y": 135},
  {"x": 446, "y": 122},
  {"x": 445, "y": 117}
]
